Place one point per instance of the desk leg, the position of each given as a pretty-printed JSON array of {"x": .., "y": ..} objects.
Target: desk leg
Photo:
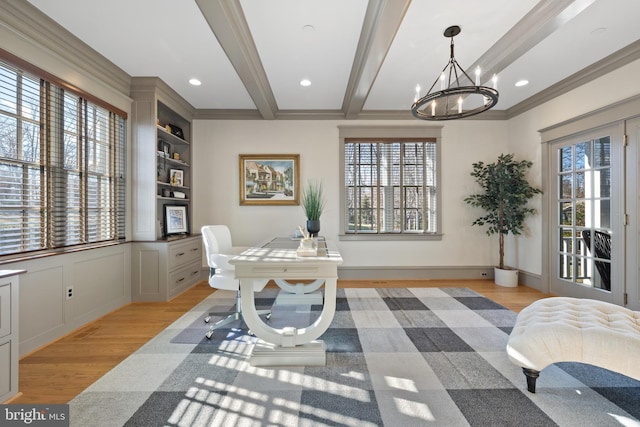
[{"x": 289, "y": 345}]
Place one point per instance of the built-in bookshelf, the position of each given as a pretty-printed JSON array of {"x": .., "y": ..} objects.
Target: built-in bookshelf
[
  {"x": 163, "y": 264},
  {"x": 162, "y": 172}
]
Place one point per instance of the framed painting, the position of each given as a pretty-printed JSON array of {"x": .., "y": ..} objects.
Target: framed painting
[
  {"x": 176, "y": 220},
  {"x": 269, "y": 179}
]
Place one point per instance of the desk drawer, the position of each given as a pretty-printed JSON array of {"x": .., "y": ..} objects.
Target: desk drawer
[
  {"x": 286, "y": 270},
  {"x": 183, "y": 253}
]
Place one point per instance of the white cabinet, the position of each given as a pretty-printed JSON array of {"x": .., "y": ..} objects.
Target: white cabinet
[
  {"x": 163, "y": 269},
  {"x": 8, "y": 334},
  {"x": 163, "y": 264}
]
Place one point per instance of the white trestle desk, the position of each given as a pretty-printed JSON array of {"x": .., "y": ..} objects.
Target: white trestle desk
[{"x": 277, "y": 259}]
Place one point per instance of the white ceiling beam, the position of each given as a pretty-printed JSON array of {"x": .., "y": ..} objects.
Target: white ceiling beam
[
  {"x": 381, "y": 23},
  {"x": 228, "y": 23},
  {"x": 544, "y": 19}
]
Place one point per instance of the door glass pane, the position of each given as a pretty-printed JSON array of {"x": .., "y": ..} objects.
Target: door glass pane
[
  {"x": 580, "y": 184},
  {"x": 584, "y": 209},
  {"x": 566, "y": 186},
  {"x": 582, "y": 270},
  {"x": 566, "y": 213},
  {"x": 602, "y": 152},
  {"x": 604, "y": 208},
  {"x": 581, "y": 209},
  {"x": 566, "y": 159},
  {"x": 565, "y": 265},
  {"x": 582, "y": 156},
  {"x": 566, "y": 240}
]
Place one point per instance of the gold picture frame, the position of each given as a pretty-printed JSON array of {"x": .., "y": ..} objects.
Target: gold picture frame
[{"x": 269, "y": 179}]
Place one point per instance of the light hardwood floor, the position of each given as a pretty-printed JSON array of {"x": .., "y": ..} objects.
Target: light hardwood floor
[{"x": 63, "y": 369}]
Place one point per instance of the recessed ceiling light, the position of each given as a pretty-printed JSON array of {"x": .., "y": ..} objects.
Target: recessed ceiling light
[
  {"x": 522, "y": 83},
  {"x": 598, "y": 31},
  {"x": 308, "y": 28},
  {"x": 195, "y": 82},
  {"x": 305, "y": 82}
]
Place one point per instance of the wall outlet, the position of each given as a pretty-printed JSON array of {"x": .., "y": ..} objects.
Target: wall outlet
[
  {"x": 484, "y": 274},
  {"x": 69, "y": 293}
]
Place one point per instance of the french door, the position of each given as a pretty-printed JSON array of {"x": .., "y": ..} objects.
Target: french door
[{"x": 587, "y": 215}]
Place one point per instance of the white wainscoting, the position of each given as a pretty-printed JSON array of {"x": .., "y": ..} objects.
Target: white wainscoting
[{"x": 100, "y": 281}]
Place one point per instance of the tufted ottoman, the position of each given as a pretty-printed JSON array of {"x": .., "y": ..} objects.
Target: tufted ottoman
[{"x": 562, "y": 329}]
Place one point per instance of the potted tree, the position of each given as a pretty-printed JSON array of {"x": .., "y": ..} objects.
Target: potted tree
[
  {"x": 505, "y": 197},
  {"x": 313, "y": 204}
]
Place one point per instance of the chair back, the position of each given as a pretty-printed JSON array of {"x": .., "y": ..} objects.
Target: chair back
[
  {"x": 217, "y": 239},
  {"x": 219, "y": 248}
]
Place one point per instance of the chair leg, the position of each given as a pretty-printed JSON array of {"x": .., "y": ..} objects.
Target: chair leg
[{"x": 231, "y": 316}]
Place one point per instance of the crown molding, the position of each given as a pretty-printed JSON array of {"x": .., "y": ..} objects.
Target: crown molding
[
  {"x": 220, "y": 114},
  {"x": 606, "y": 65},
  {"x": 155, "y": 86},
  {"x": 28, "y": 23}
]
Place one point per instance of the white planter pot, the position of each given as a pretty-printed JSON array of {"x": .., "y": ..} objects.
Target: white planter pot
[{"x": 508, "y": 278}]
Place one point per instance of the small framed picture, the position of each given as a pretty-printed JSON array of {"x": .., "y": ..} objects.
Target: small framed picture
[
  {"x": 176, "y": 177},
  {"x": 164, "y": 147},
  {"x": 176, "y": 220}
]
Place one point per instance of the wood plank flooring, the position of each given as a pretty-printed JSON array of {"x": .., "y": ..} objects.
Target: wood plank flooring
[{"x": 64, "y": 368}]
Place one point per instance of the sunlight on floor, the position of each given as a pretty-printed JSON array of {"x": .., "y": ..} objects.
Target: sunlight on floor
[
  {"x": 625, "y": 421},
  {"x": 416, "y": 410},
  {"x": 401, "y": 383}
]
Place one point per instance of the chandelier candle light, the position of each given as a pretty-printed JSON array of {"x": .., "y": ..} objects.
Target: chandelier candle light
[{"x": 450, "y": 101}]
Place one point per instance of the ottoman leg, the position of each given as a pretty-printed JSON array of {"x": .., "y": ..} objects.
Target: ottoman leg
[{"x": 531, "y": 375}]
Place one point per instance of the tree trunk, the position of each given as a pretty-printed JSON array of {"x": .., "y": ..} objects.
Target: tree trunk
[{"x": 501, "y": 265}]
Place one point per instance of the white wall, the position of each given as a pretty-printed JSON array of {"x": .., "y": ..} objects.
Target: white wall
[
  {"x": 524, "y": 140},
  {"x": 217, "y": 145}
]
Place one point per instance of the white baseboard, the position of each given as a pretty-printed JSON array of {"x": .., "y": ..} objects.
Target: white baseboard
[{"x": 453, "y": 272}]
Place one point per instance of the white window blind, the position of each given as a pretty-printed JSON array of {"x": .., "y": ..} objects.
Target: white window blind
[
  {"x": 62, "y": 166},
  {"x": 390, "y": 186}
]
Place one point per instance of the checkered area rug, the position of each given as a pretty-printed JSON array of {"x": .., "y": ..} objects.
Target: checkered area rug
[{"x": 395, "y": 357}]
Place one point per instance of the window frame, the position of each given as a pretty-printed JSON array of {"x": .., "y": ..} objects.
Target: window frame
[{"x": 386, "y": 133}]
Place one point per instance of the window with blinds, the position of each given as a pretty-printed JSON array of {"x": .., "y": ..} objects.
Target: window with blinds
[
  {"x": 390, "y": 186},
  {"x": 62, "y": 166}
]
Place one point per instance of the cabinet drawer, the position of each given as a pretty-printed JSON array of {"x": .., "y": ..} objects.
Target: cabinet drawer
[
  {"x": 184, "y": 276},
  {"x": 5, "y": 310},
  {"x": 183, "y": 253}
]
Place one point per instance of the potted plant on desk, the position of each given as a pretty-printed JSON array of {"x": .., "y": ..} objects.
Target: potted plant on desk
[
  {"x": 505, "y": 197},
  {"x": 313, "y": 204}
]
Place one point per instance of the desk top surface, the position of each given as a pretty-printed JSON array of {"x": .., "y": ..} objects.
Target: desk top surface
[{"x": 283, "y": 250}]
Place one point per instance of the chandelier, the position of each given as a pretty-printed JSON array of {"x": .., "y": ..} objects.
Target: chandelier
[{"x": 457, "y": 98}]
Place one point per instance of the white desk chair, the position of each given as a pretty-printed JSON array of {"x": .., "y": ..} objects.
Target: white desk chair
[{"x": 219, "y": 249}]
